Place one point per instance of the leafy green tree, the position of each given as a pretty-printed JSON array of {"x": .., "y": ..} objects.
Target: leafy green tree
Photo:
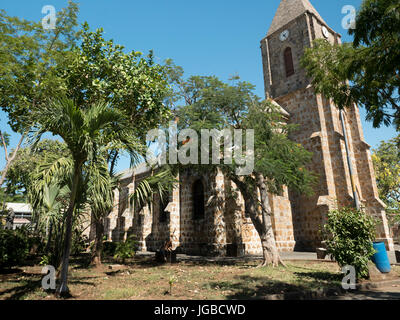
[
  {"x": 83, "y": 131},
  {"x": 49, "y": 193},
  {"x": 386, "y": 159},
  {"x": 28, "y": 160},
  {"x": 100, "y": 197},
  {"x": 28, "y": 177},
  {"x": 279, "y": 162},
  {"x": 14, "y": 248},
  {"x": 28, "y": 56},
  {"x": 99, "y": 69},
  {"x": 95, "y": 69},
  {"x": 5, "y": 138},
  {"x": 365, "y": 71},
  {"x": 134, "y": 85}
]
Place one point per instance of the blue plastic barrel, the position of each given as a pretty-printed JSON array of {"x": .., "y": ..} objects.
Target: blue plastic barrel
[{"x": 381, "y": 258}]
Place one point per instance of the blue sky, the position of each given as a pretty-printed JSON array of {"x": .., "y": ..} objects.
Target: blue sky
[{"x": 207, "y": 37}]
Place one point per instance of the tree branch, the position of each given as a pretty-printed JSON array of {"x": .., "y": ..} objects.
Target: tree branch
[{"x": 4, "y": 145}]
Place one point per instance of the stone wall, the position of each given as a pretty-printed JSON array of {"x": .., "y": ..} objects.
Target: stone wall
[
  {"x": 320, "y": 131},
  {"x": 224, "y": 229}
]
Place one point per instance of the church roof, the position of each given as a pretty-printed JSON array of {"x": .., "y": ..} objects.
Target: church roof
[
  {"x": 289, "y": 10},
  {"x": 129, "y": 173}
]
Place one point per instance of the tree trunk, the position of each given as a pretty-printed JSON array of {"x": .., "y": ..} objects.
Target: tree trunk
[
  {"x": 262, "y": 225},
  {"x": 270, "y": 250},
  {"x": 98, "y": 243},
  {"x": 9, "y": 160},
  {"x": 63, "y": 289},
  {"x": 4, "y": 173}
]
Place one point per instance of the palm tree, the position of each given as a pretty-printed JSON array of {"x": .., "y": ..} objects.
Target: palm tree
[
  {"x": 159, "y": 183},
  {"x": 84, "y": 130},
  {"x": 101, "y": 199}
]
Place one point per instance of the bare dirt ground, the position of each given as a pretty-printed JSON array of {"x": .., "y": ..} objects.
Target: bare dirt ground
[{"x": 142, "y": 279}]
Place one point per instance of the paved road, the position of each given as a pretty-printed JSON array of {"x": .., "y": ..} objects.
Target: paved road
[
  {"x": 384, "y": 293},
  {"x": 285, "y": 256}
]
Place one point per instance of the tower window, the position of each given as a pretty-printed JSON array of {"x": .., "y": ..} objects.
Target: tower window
[
  {"x": 198, "y": 200},
  {"x": 289, "y": 67}
]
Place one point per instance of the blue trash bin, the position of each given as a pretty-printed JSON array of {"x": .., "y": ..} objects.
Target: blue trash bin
[{"x": 381, "y": 258}]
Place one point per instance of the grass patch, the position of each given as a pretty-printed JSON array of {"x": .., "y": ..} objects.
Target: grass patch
[{"x": 142, "y": 279}]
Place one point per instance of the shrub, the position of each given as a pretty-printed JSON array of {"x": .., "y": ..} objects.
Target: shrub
[
  {"x": 79, "y": 242},
  {"x": 109, "y": 248},
  {"x": 126, "y": 249},
  {"x": 35, "y": 243},
  {"x": 14, "y": 248},
  {"x": 349, "y": 234},
  {"x": 45, "y": 260}
]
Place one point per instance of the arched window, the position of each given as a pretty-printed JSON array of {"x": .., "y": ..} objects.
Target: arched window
[
  {"x": 288, "y": 58},
  {"x": 198, "y": 200}
]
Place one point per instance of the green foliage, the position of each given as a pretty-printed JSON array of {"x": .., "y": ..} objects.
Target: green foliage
[
  {"x": 14, "y": 197},
  {"x": 109, "y": 248},
  {"x": 14, "y": 248},
  {"x": 31, "y": 53},
  {"x": 28, "y": 161},
  {"x": 386, "y": 159},
  {"x": 100, "y": 70},
  {"x": 34, "y": 241},
  {"x": 213, "y": 104},
  {"x": 171, "y": 282},
  {"x": 280, "y": 160},
  {"x": 126, "y": 249},
  {"x": 45, "y": 260},
  {"x": 370, "y": 64},
  {"x": 328, "y": 65},
  {"x": 79, "y": 241},
  {"x": 209, "y": 103},
  {"x": 5, "y": 138},
  {"x": 349, "y": 234},
  {"x": 161, "y": 182}
]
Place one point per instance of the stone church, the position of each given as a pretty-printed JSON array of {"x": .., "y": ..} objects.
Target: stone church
[{"x": 198, "y": 225}]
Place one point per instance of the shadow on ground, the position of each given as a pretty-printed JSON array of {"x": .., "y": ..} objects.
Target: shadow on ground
[
  {"x": 32, "y": 282},
  {"x": 383, "y": 294},
  {"x": 253, "y": 287}
]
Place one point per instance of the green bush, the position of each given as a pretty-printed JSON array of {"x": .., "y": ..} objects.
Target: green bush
[
  {"x": 349, "y": 234},
  {"x": 14, "y": 248},
  {"x": 35, "y": 243},
  {"x": 109, "y": 248},
  {"x": 79, "y": 242},
  {"x": 126, "y": 249}
]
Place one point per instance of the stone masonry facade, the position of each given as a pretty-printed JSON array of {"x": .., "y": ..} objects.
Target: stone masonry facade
[{"x": 223, "y": 228}]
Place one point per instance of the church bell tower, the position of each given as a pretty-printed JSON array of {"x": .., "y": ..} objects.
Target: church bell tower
[{"x": 294, "y": 28}]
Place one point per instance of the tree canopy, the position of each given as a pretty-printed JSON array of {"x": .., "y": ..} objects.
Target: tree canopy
[
  {"x": 365, "y": 71},
  {"x": 386, "y": 159},
  {"x": 209, "y": 103}
]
